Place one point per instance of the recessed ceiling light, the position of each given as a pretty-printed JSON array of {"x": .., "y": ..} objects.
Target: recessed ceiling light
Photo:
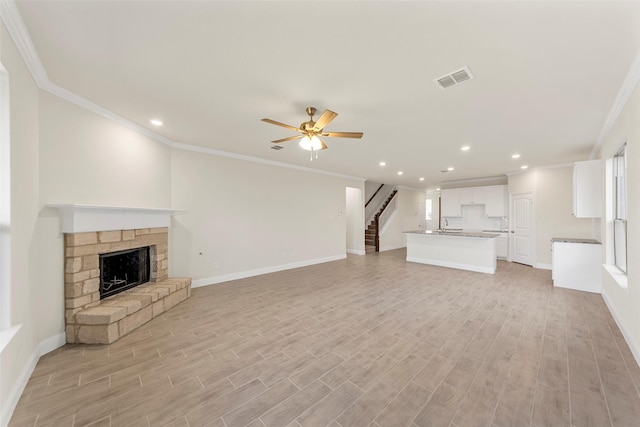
[
  {"x": 515, "y": 156},
  {"x": 438, "y": 189},
  {"x": 450, "y": 169},
  {"x": 400, "y": 172},
  {"x": 524, "y": 167},
  {"x": 383, "y": 163},
  {"x": 421, "y": 179},
  {"x": 156, "y": 122},
  {"x": 465, "y": 148}
]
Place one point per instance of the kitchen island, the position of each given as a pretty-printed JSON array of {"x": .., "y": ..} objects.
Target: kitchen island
[{"x": 473, "y": 251}]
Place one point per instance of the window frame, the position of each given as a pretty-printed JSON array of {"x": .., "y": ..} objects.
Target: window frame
[
  {"x": 5, "y": 204},
  {"x": 619, "y": 231}
]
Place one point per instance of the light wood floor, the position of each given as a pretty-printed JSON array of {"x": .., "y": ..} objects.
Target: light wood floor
[{"x": 368, "y": 341}]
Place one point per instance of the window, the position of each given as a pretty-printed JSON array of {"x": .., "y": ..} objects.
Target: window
[
  {"x": 429, "y": 209},
  {"x": 620, "y": 208}
]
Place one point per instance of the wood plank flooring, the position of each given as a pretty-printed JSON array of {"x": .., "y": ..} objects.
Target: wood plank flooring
[{"x": 368, "y": 341}]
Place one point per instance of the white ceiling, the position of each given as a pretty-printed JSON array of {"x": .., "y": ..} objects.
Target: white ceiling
[{"x": 546, "y": 76}]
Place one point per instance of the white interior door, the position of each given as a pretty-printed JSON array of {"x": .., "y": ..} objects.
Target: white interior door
[{"x": 522, "y": 229}]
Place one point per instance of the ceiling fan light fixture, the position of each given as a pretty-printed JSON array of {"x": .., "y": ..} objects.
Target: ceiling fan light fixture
[{"x": 310, "y": 144}]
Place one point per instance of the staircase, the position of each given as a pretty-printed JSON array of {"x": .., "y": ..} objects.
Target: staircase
[
  {"x": 370, "y": 238},
  {"x": 370, "y": 234}
]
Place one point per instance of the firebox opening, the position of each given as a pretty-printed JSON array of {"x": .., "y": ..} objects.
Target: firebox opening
[{"x": 123, "y": 270}]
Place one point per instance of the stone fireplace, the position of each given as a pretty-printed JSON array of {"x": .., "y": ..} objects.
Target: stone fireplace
[{"x": 135, "y": 261}]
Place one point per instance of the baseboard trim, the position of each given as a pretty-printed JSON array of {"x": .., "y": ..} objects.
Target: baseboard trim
[
  {"x": 356, "y": 252},
  {"x": 634, "y": 350},
  {"x": 543, "y": 266},
  {"x": 259, "y": 271},
  {"x": 392, "y": 248},
  {"x": 43, "y": 347}
]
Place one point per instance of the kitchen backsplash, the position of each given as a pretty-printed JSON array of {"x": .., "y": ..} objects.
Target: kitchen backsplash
[{"x": 473, "y": 219}]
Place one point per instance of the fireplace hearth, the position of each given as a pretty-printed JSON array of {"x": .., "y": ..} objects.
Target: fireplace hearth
[{"x": 123, "y": 270}]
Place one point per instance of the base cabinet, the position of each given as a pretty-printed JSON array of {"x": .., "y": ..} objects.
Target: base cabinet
[
  {"x": 577, "y": 266},
  {"x": 502, "y": 246}
]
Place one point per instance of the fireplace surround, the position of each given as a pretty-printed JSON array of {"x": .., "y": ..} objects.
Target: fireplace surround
[{"x": 89, "y": 234}]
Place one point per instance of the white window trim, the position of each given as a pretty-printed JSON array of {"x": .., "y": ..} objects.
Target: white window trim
[
  {"x": 609, "y": 215},
  {"x": 5, "y": 209}
]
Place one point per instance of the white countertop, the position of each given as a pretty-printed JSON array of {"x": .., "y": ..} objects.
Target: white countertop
[
  {"x": 575, "y": 240},
  {"x": 456, "y": 233}
]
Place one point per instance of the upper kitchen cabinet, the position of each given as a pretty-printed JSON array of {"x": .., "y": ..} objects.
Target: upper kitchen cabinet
[
  {"x": 450, "y": 203},
  {"x": 497, "y": 202},
  {"x": 473, "y": 196},
  {"x": 587, "y": 189}
]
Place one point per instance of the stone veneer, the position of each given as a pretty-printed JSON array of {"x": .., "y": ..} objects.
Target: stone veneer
[{"x": 91, "y": 320}]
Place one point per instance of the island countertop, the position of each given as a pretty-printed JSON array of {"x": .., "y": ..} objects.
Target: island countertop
[
  {"x": 575, "y": 240},
  {"x": 476, "y": 234}
]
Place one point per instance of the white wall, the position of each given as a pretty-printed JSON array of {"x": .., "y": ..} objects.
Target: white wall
[
  {"x": 370, "y": 188},
  {"x": 553, "y": 203},
  {"x": 554, "y": 211},
  {"x": 355, "y": 220},
  {"x": 86, "y": 158},
  {"x": 625, "y": 302},
  {"x": 247, "y": 218},
  {"x": 406, "y": 218}
]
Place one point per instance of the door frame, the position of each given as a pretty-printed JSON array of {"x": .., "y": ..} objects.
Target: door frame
[{"x": 533, "y": 226}]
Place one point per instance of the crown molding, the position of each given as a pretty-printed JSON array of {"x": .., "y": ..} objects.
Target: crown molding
[
  {"x": 220, "y": 153},
  {"x": 18, "y": 32},
  {"x": 472, "y": 180},
  {"x": 628, "y": 86},
  {"x": 16, "y": 28}
]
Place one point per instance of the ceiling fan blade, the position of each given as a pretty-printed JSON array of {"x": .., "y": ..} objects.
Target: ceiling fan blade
[
  {"x": 343, "y": 134},
  {"x": 325, "y": 119},
  {"x": 273, "y": 122},
  {"x": 291, "y": 138}
]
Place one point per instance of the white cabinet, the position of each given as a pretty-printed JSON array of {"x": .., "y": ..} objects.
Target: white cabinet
[
  {"x": 450, "y": 203},
  {"x": 494, "y": 198},
  {"x": 502, "y": 246},
  {"x": 577, "y": 266},
  {"x": 497, "y": 201},
  {"x": 587, "y": 189},
  {"x": 473, "y": 196}
]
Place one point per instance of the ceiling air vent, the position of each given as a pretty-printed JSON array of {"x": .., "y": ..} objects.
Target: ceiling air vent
[
  {"x": 454, "y": 78},
  {"x": 277, "y": 147}
]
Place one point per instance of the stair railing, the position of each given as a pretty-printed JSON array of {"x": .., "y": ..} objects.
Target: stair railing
[
  {"x": 374, "y": 195},
  {"x": 382, "y": 217}
]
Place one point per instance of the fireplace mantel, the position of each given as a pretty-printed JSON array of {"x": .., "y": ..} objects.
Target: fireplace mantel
[{"x": 85, "y": 218}]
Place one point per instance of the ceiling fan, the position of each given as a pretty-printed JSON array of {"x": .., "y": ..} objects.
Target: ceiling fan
[{"x": 312, "y": 131}]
